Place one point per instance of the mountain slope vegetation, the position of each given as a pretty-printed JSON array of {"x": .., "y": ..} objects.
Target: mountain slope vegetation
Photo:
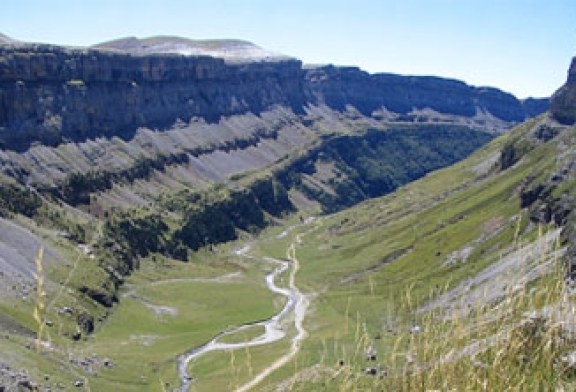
[
  {"x": 160, "y": 227},
  {"x": 390, "y": 279},
  {"x": 455, "y": 281}
]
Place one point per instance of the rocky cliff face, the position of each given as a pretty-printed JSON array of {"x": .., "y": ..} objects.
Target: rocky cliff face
[
  {"x": 341, "y": 86},
  {"x": 563, "y": 102},
  {"x": 51, "y": 95},
  {"x": 563, "y": 109}
]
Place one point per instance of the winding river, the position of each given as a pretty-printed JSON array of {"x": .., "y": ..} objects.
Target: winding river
[{"x": 296, "y": 304}]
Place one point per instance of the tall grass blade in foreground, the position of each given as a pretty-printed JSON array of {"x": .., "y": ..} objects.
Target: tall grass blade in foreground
[{"x": 39, "y": 308}]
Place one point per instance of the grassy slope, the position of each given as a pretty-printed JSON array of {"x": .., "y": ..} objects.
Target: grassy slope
[
  {"x": 144, "y": 345},
  {"x": 141, "y": 343},
  {"x": 425, "y": 221},
  {"x": 359, "y": 289},
  {"x": 357, "y": 265}
]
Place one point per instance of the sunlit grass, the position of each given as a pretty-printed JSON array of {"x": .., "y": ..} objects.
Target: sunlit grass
[{"x": 516, "y": 343}]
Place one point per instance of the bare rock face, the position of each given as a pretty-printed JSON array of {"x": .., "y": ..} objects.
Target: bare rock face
[
  {"x": 563, "y": 109},
  {"x": 52, "y": 95},
  {"x": 338, "y": 87},
  {"x": 569, "y": 237},
  {"x": 563, "y": 102}
]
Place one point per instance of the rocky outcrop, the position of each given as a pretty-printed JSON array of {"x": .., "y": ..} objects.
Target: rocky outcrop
[
  {"x": 569, "y": 237},
  {"x": 563, "y": 102},
  {"x": 52, "y": 95}
]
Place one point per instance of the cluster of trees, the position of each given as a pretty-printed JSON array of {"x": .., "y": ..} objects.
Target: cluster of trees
[
  {"x": 207, "y": 219},
  {"x": 16, "y": 199}
]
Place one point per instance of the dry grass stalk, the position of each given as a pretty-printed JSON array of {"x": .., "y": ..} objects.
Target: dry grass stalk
[{"x": 39, "y": 308}]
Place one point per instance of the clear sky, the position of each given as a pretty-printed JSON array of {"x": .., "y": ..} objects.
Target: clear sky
[{"x": 521, "y": 46}]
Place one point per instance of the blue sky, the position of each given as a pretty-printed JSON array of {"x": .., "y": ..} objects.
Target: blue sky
[{"x": 521, "y": 46}]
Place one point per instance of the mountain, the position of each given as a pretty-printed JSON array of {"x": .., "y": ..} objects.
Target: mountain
[
  {"x": 107, "y": 129},
  {"x": 563, "y": 109},
  {"x": 61, "y": 108},
  {"x": 51, "y": 94},
  {"x": 228, "y": 49},
  {"x": 146, "y": 175}
]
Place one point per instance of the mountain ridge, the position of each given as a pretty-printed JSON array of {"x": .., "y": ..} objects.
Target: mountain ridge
[{"x": 49, "y": 94}]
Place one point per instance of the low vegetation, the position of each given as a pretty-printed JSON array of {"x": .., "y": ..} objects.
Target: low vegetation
[
  {"x": 373, "y": 273},
  {"x": 349, "y": 169},
  {"x": 376, "y": 269}
]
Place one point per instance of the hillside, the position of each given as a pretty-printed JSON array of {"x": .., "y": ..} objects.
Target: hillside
[
  {"x": 440, "y": 275},
  {"x": 456, "y": 281},
  {"x": 161, "y": 184},
  {"x": 138, "y": 126},
  {"x": 95, "y": 138}
]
